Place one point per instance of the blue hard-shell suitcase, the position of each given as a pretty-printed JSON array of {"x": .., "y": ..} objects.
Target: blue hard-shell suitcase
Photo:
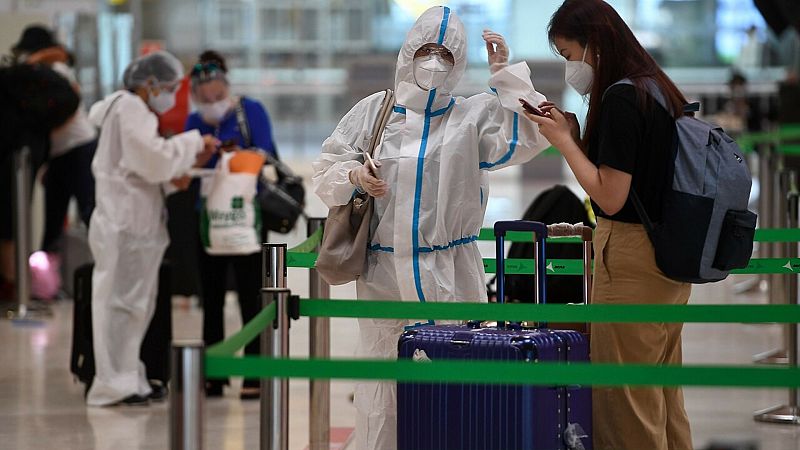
[{"x": 495, "y": 417}]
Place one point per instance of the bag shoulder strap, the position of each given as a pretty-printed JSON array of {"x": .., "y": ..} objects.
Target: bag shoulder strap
[
  {"x": 110, "y": 107},
  {"x": 244, "y": 128},
  {"x": 241, "y": 118},
  {"x": 653, "y": 90},
  {"x": 380, "y": 121},
  {"x": 639, "y": 206}
]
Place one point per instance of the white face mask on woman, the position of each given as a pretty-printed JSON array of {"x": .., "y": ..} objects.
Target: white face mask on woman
[
  {"x": 162, "y": 102},
  {"x": 214, "y": 112},
  {"x": 431, "y": 71},
  {"x": 579, "y": 74}
]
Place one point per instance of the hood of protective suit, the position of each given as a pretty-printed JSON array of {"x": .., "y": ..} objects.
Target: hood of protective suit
[{"x": 438, "y": 25}]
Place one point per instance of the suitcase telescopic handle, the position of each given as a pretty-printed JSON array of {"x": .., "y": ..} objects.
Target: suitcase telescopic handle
[
  {"x": 540, "y": 231},
  {"x": 503, "y": 226}
]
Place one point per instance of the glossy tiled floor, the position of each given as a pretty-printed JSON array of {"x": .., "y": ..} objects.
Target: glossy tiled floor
[{"x": 42, "y": 407}]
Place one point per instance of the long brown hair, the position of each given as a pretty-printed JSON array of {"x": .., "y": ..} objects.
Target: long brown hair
[{"x": 618, "y": 54}]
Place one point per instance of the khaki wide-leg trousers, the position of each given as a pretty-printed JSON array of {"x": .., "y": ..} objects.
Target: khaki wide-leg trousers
[{"x": 625, "y": 272}]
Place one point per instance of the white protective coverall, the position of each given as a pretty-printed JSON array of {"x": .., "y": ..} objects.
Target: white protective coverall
[
  {"x": 434, "y": 154},
  {"x": 128, "y": 236}
]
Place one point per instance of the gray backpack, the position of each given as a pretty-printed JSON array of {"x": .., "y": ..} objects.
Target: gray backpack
[{"x": 706, "y": 228}]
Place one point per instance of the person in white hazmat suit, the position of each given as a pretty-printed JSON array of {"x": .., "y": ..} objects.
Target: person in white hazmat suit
[
  {"x": 431, "y": 198},
  {"x": 133, "y": 168}
]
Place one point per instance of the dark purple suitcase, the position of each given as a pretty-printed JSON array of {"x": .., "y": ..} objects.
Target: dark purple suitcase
[{"x": 494, "y": 417}]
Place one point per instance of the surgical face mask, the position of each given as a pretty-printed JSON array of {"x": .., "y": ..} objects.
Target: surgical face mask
[
  {"x": 431, "y": 71},
  {"x": 214, "y": 112},
  {"x": 162, "y": 102},
  {"x": 579, "y": 74}
]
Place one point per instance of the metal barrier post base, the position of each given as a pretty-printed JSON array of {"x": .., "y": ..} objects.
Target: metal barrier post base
[
  {"x": 32, "y": 311},
  {"x": 788, "y": 415},
  {"x": 775, "y": 356},
  {"x": 750, "y": 285}
]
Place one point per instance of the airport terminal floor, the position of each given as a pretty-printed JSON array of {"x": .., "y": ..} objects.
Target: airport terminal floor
[{"x": 42, "y": 406}]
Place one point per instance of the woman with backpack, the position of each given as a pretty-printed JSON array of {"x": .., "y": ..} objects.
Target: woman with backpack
[{"x": 624, "y": 149}]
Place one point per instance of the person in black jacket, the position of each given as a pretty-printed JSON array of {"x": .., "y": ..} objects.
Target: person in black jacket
[{"x": 34, "y": 101}]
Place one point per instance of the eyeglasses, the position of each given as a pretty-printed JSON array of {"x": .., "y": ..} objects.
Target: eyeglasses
[{"x": 207, "y": 71}]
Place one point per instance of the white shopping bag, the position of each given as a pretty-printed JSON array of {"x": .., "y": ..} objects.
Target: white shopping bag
[{"x": 230, "y": 220}]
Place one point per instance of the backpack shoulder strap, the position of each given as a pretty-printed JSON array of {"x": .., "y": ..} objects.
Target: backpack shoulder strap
[
  {"x": 620, "y": 82},
  {"x": 653, "y": 90},
  {"x": 651, "y": 87}
]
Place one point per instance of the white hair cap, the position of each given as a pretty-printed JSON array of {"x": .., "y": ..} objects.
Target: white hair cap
[{"x": 158, "y": 68}]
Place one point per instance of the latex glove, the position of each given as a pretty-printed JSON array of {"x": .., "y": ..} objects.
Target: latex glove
[
  {"x": 362, "y": 178},
  {"x": 497, "y": 49}
]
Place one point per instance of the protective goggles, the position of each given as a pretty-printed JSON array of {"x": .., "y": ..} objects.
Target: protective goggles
[
  {"x": 206, "y": 72},
  {"x": 434, "y": 49}
]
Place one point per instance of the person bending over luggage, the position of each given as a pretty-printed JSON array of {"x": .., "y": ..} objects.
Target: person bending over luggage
[
  {"x": 133, "y": 167},
  {"x": 624, "y": 148},
  {"x": 431, "y": 192},
  {"x": 216, "y": 114}
]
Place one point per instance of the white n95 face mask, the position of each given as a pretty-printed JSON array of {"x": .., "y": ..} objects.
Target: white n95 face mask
[
  {"x": 579, "y": 74},
  {"x": 214, "y": 112},
  {"x": 162, "y": 102},
  {"x": 431, "y": 71}
]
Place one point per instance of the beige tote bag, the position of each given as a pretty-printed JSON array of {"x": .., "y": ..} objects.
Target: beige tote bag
[{"x": 343, "y": 251}]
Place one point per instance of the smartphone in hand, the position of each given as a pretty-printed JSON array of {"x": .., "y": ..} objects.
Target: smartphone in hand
[
  {"x": 530, "y": 108},
  {"x": 228, "y": 144},
  {"x": 373, "y": 166}
]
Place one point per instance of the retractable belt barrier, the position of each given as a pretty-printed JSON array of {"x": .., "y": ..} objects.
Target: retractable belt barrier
[{"x": 220, "y": 361}]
